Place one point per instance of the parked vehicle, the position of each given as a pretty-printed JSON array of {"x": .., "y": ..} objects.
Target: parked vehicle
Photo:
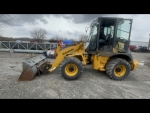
[
  {"x": 141, "y": 49},
  {"x": 132, "y": 47}
]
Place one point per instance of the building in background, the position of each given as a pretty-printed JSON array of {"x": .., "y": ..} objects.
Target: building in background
[
  {"x": 139, "y": 43},
  {"x": 59, "y": 42},
  {"x": 34, "y": 41},
  {"x": 18, "y": 41}
]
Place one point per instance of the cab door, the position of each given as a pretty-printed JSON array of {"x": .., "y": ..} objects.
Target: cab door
[
  {"x": 123, "y": 32},
  {"x": 93, "y": 37}
]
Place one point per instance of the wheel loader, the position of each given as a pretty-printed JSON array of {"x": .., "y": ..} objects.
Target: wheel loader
[{"x": 107, "y": 49}]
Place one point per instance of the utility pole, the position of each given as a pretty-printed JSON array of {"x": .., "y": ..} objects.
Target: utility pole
[{"x": 149, "y": 42}]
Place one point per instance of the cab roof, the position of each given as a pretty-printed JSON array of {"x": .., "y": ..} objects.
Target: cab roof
[{"x": 109, "y": 18}]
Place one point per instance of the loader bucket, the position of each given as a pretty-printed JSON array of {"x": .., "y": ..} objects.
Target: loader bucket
[{"x": 31, "y": 67}]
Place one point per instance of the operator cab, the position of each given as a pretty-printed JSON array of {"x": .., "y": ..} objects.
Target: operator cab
[
  {"x": 110, "y": 35},
  {"x": 106, "y": 32}
]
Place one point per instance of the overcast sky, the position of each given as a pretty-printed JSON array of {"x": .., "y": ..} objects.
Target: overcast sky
[{"x": 72, "y": 25}]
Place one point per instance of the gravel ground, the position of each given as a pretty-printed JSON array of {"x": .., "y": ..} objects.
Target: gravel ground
[{"x": 92, "y": 84}]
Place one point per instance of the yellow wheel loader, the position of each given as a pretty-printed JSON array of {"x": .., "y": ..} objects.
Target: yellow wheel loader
[{"x": 107, "y": 49}]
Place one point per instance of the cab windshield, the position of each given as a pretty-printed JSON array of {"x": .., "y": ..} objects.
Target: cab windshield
[{"x": 93, "y": 31}]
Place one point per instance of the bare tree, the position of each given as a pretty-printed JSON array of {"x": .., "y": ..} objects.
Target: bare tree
[
  {"x": 83, "y": 38},
  {"x": 38, "y": 34},
  {"x": 58, "y": 38},
  {"x": 5, "y": 20}
]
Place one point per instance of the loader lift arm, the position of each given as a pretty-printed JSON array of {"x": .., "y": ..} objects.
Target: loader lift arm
[
  {"x": 73, "y": 50},
  {"x": 39, "y": 64}
]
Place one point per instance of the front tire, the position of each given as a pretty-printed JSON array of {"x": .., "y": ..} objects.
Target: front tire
[
  {"x": 118, "y": 69},
  {"x": 71, "y": 68}
]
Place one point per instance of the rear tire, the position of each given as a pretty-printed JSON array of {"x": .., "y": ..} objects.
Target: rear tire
[
  {"x": 71, "y": 68},
  {"x": 118, "y": 69}
]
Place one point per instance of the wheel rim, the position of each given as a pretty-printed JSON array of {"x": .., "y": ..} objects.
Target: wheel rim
[
  {"x": 120, "y": 70},
  {"x": 71, "y": 69}
]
